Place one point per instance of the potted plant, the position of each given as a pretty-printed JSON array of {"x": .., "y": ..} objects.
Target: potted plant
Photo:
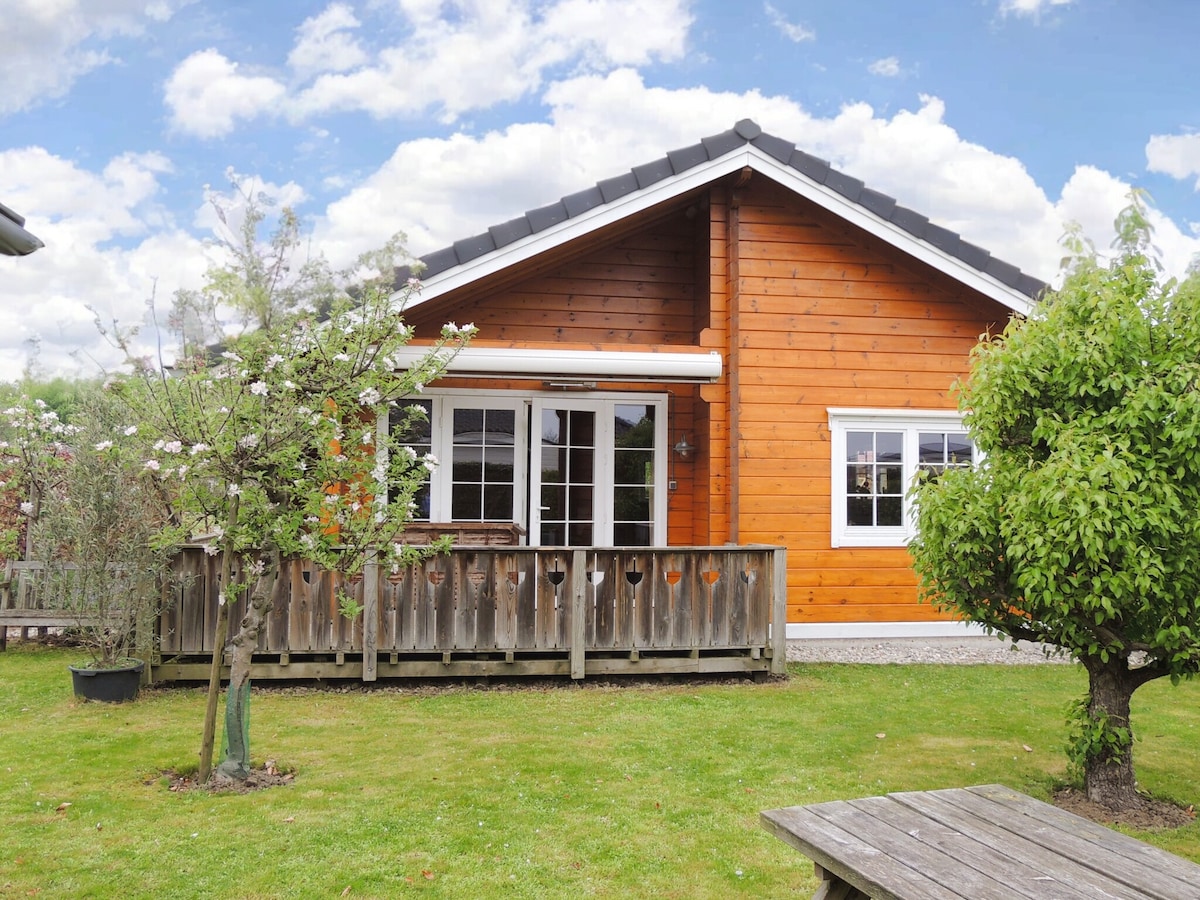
[{"x": 98, "y": 521}]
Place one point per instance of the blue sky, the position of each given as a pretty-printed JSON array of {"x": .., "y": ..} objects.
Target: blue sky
[{"x": 1003, "y": 119}]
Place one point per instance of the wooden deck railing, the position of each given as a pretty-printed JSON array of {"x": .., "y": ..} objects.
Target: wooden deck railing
[{"x": 503, "y": 611}]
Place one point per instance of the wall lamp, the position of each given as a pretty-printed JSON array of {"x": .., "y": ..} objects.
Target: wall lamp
[{"x": 682, "y": 447}]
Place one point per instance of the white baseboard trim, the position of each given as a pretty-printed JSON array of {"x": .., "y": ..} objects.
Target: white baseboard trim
[{"x": 881, "y": 630}]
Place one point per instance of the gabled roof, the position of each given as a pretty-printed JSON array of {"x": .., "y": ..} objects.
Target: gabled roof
[
  {"x": 14, "y": 239},
  {"x": 683, "y": 170}
]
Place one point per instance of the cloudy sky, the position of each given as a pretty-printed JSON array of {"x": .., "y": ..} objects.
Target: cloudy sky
[{"x": 1001, "y": 119}]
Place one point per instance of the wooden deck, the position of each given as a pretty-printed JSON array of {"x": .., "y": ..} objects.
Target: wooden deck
[
  {"x": 979, "y": 843},
  {"x": 503, "y": 611}
]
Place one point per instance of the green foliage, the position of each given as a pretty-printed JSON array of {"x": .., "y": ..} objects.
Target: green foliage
[
  {"x": 95, "y": 516},
  {"x": 1080, "y": 526},
  {"x": 1092, "y": 735}
]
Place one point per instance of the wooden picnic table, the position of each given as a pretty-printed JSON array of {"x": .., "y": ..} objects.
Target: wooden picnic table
[{"x": 981, "y": 843}]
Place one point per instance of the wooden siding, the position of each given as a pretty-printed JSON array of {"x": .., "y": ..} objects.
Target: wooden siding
[
  {"x": 829, "y": 317},
  {"x": 638, "y": 289}
]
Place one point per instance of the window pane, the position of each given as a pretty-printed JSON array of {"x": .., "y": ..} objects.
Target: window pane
[
  {"x": 959, "y": 450},
  {"x": 580, "y": 499},
  {"x": 889, "y": 511},
  {"x": 554, "y": 502},
  {"x": 468, "y": 426},
  {"x": 634, "y": 467},
  {"x": 860, "y": 446},
  {"x": 933, "y": 448},
  {"x": 634, "y": 426},
  {"x": 466, "y": 502},
  {"x": 889, "y": 446},
  {"x": 631, "y": 534},
  {"x": 583, "y": 428},
  {"x": 497, "y": 502},
  {"x": 580, "y": 534},
  {"x": 631, "y": 504},
  {"x": 860, "y": 511},
  {"x": 498, "y": 465},
  {"x": 553, "y": 534},
  {"x": 410, "y": 423},
  {"x": 890, "y": 478}
]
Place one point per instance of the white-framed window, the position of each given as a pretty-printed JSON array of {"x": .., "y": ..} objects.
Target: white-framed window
[
  {"x": 876, "y": 454},
  {"x": 572, "y": 469}
]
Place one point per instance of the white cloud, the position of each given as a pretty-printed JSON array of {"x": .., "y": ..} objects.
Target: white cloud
[
  {"x": 792, "y": 31},
  {"x": 1030, "y": 8},
  {"x": 45, "y": 45},
  {"x": 206, "y": 95},
  {"x": 600, "y": 126},
  {"x": 323, "y": 45},
  {"x": 1177, "y": 155},
  {"x": 888, "y": 67},
  {"x": 498, "y": 51},
  {"x": 108, "y": 242}
]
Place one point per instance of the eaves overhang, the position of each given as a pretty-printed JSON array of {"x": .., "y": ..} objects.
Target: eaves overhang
[{"x": 696, "y": 366}]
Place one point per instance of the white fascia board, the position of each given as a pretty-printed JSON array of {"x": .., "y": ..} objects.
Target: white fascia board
[
  {"x": 892, "y": 234},
  {"x": 828, "y": 631},
  {"x": 689, "y": 366},
  {"x": 696, "y": 177}
]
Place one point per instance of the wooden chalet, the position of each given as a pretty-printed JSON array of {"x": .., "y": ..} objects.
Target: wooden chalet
[{"x": 684, "y": 432}]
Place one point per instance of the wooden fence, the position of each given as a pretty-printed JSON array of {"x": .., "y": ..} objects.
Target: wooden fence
[{"x": 489, "y": 610}]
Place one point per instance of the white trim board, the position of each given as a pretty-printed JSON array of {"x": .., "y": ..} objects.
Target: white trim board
[{"x": 882, "y": 630}]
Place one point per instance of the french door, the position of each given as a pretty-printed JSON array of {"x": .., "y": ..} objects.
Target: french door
[{"x": 595, "y": 472}]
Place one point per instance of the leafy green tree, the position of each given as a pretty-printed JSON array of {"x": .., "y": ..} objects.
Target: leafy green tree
[{"x": 1080, "y": 527}]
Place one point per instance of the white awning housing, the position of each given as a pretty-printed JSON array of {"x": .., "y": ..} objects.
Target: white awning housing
[{"x": 665, "y": 365}]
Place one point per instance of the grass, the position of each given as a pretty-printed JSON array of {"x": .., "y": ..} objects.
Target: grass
[{"x": 631, "y": 791}]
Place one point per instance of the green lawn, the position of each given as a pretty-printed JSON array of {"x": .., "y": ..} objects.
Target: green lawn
[{"x": 566, "y": 792}]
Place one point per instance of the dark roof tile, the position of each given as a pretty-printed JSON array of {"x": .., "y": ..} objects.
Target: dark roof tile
[
  {"x": 880, "y": 204},
  {"x": 614, "y": 188},
  {"x": 652, "y": 173},
  {"x": 469, "y": 248},
  {"x": 582, "y": 201},
  {"x": 973, "y": 256},
  {"x": 776, "y": 147},
  {"x": 942, "y": 238},
  {"x": 512, "y": 230},
  {"x": 848, "y": 187},
  {"x": 810, "y": 166},
  {"x": 687, "y": 157},
  {"x": 438, "y": 261},
  {"x": 1034, "y": 287},
  {"x": 747, "y": 129},
  {"x": 544, "y": 216},
  {"x": 720, "y": 144},
  {"x": 1003, "y": 272},
  {"x": 912, "y": 222}
]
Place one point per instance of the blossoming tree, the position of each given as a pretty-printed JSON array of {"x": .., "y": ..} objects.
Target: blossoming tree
[{"x": 277, "y": 447}]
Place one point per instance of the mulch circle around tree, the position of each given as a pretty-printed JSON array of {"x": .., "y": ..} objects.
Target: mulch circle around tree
[
  {"x": 268, "y": 776},
  {"x": 1147, "y": 815}
]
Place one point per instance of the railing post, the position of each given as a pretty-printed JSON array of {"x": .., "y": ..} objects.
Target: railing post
[
  {"x": 779, "y": 614},
  {"x": 578, "y": 596},
  {"x": 370, "y": 652}
]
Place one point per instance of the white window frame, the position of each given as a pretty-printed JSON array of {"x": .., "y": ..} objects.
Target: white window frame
[
  {"x": 909, "y": 423},
  {"x": 445, "y": 400}
]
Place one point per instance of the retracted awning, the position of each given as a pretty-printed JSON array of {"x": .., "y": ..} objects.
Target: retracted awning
[{"x": 14, "y": 239}]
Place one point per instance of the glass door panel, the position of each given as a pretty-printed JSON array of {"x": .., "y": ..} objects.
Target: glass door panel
[{"x": 565, "y": 446}]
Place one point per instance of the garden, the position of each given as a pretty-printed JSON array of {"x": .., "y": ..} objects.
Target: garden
[{"x": 533, "y": 790}]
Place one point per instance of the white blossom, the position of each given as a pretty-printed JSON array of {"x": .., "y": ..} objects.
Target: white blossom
[
  {"x": 259, "y": 388},
  {"x": 131, "y": 431},
  {"x": 249, "y": 441},
  {"x": 199, "y": 448},
  {"x": 27, "y": 508},
  {"x": 212, "y": 549},
  {"x": 369, "y": 397},
  {"x": 231, "y": 356},
  {"x": 104, "y": 445},
  {"x": 234, "y": 490},
  {"x": 272, "y": 361},
  {"x": 152, "y": 465}
]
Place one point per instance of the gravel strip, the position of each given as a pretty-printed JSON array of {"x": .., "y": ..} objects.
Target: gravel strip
[{"x": 950, "y": 650}]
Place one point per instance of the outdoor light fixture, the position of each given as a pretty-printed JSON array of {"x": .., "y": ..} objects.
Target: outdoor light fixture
[{"x": 682, "y": 447}]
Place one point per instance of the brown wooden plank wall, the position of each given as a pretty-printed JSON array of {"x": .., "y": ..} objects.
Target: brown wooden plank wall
[
  {"x": 828, "y": 316},
  {"x": 640, "y": 289}
]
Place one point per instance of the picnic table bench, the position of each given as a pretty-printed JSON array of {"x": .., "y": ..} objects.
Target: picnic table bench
[{"x": 982, "y": 843}]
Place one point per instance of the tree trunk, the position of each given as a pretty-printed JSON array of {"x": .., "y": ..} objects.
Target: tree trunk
[
  {"x": 236, "y": 764},
  {"x": 1108, "y": 767},
  {"x": 222, "y": 630}
]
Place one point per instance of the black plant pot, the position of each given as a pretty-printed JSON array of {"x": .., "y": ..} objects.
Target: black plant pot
[{"x": 107, "y": 685}]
